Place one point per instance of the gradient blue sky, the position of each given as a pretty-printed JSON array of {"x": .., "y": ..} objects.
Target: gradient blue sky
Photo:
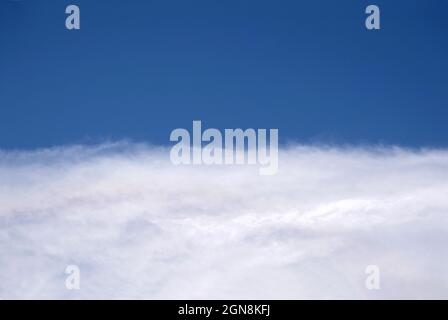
[{"x": 138, "y": 69}]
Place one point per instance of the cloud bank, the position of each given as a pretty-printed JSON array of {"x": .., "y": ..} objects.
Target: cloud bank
[{"x": 139, "y": 227}]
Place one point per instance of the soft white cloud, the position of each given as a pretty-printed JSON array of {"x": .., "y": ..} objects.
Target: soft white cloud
[{"x": 139, "y": 227}]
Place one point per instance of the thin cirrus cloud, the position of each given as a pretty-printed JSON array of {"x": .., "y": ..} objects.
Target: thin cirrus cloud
[{"x": 139, "y": 227}]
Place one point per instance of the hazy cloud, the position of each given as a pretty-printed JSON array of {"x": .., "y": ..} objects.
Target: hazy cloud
[{"x": 139, "y": 227}]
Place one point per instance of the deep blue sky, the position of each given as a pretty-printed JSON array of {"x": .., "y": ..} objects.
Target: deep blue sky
[{"x": 138, "y": 69}]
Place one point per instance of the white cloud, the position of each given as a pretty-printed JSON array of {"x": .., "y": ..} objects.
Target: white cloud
[{"x": 139, "y": 227}]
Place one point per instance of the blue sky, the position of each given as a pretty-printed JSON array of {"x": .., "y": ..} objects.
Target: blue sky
[{"x": 138, "y": 69}]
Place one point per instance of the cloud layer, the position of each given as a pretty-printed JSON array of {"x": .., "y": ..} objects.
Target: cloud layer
[{"x": 139, "y": 227}]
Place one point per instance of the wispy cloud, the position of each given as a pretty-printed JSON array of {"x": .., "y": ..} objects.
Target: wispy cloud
[{"x": 139, "y": 227}]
